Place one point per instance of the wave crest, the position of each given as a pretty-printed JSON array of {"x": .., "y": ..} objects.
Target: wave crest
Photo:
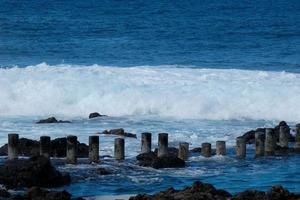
[{"x": 216, "y": 94}]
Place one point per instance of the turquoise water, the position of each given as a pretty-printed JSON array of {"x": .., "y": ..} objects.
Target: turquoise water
[{"x": 201, "y": 71}]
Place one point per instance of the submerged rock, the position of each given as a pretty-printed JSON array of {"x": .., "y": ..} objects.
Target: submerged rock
[
  {"x": 36, "y": 171},
  {"x": 171, "y": 151},
  {"x": 51, "y": 120},
  {"x": 151, "y": 160},
  {"x": 95, "y": 114},
  {"x": 118, "y": 132}
]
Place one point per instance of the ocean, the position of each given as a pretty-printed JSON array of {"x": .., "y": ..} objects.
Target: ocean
[{"x": 201, "y": 71}]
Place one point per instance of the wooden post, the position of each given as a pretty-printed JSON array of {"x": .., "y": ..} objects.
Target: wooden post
[
  {"x": 183, "y": 152},
  {"x": 146, "y": 142},
  {"x": 162, "y": 144},
  {"x": 13, "y": 146},
  {"x": 45, "y": 146},
  {"x": 240, "y": 147},
  {"x": 94, "y": 148},
  {"x": 269, "y": 142},
  {"x": 119, "y": 149},
  {"x": 206, "y": 150},
  {"x": 259, "y": 144},
  {"x": 71, "y": 149},
  {"x": 221, "y": 148}
]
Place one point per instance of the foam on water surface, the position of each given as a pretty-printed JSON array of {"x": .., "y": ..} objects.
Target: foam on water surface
[{"x": 164, "y": 91}]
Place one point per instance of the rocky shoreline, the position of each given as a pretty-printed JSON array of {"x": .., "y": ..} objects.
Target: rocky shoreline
[{"x": 204, "y": 191}]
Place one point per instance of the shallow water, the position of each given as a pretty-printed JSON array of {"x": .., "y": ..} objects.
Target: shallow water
[
  {"x": 200, "y": 70},
  {"x": 223, "y": 172}
]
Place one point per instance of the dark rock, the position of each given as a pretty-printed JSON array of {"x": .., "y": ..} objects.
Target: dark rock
[
  {"x": 146, "y": 159},
  {"x": 171, "y": 151},
  {"x": 198, "y": 191},
  {"x": 95, "y": 114},
  {"x": 169, "y": 161},
  {"x": 118, "y": 132},
  {"x": 36, "y": 171},
  {"x": 250, "y": 195},
  {"x": 36, "y": 193},
  {"x": 151, "y": 160},
  {"x": 28, "y": 147},
  {"x": 51, "y": 120},
  {"x": 249, "y": 136},
  {"x": 196, "y": 150},
  {"x": 4, "y": 193},
  {"x": 59, "y": 148}
]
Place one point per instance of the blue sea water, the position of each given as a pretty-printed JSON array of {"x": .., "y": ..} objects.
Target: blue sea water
[{"x": 199, "y": 70}]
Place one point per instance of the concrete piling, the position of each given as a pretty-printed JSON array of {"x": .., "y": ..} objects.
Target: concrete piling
[
  {"x": 206, "y": 150},
  {"x": 221, "y": 148},
  {"x": 183, "y": 152},
  {"x": 240, "y": 147},
  {"x": 259, "y": 144},
  {"x": 13, "y": 145},
  {"x": 45, "y": 146},
  {"x": 119, "y": 153},
  {"x": 71, "y": 149},
  {"x": 284, "y": 134},
  {"x": 297, "y": 138},
  {"x": 94, "y": 148},
  {"x": 269, "y": 142},
  {"x": 146, "y": 142},
  {"x": 162, "y": 144}
]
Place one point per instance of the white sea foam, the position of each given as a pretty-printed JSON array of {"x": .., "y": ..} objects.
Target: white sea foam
[{"x": 163, "y": 91}]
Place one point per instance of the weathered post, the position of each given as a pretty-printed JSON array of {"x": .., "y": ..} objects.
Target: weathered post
[
  {"x": 269, "y": 142},
  {"x": 284, "y": 135},
  {"x": 162, "y": 144},
  {"x": 119, "y": 149},
  {"x": 13, "y": 146},
  {"x": 240, "y": 147},
  {"x": 94, "y": 148},
  {"x": 71, "y": 149},
  {"x": 183, "y": 152},
  {"x": 206, "y": 150},
  {"x": 259, "y": 144},
  {"x": 146, "y": 142},
  {"x": 221, "y": 148},
  {"x": 45, "y": 146},
  {"x": 297, "y": 138}
]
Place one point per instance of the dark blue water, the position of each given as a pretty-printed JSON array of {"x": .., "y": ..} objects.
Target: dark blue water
[{"x": 213, "y": 33}]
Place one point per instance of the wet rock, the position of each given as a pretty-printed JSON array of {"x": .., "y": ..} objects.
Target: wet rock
[
  {"x": 36, "y": 171},
  {"x": 59, "y": 148},
  {"x": 36, "y": 193},
  {"x": 171, "y": 151},
  {"x": 28, "y": 147},
  {"x": 249, "y": 137},
  {"x": 196, "y": 150},
  {"x": 151, "y": 160},
  {"x": 249, "y": 195},
  {"x": 51, "y": 120},
  {"x": 146, "y": 159},
  {"x": 198, "y": 191},
  {"x": 168, "y": 162},
  {"x": 4, "y": 193},
  {"x": 95, "y": 114},
  {"x": 118, "y": 132}
]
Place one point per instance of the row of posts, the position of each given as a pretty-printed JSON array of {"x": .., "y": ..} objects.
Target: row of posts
[
  {"x": 264, "y": 145},
  {"x": 266, "y": 142}
]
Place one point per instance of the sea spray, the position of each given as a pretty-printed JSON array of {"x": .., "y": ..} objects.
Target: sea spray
[{"x": 167, "y": 91}]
